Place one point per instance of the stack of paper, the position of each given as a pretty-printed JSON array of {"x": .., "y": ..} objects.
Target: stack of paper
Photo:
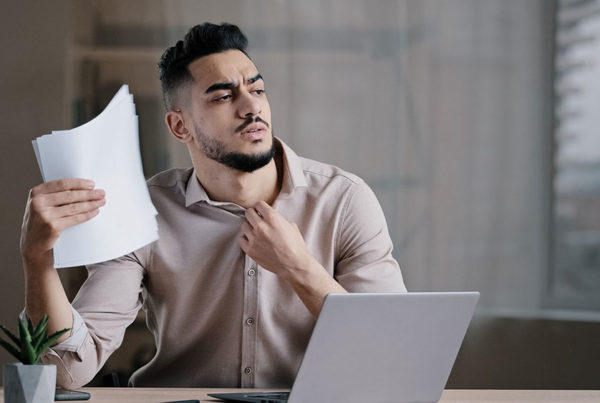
[{"x": 105, "y": 150}]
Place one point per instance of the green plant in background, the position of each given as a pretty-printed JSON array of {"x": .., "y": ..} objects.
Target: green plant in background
[{"x": 32, "y": 341}]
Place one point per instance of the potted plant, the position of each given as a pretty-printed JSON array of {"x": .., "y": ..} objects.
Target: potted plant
[{"x": 28, "y": 381}]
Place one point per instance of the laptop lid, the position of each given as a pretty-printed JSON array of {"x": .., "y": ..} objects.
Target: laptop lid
[
  {"x": 383, "y": 347},
  {"x": 379, "y": 348}
]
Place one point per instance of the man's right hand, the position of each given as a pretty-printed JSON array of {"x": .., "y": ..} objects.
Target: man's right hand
[{"x": 51, "y": 208}]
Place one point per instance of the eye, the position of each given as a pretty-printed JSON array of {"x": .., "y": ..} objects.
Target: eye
[
  {"x": 259, "y": 92},
  {"x": 222, "y": 98}
]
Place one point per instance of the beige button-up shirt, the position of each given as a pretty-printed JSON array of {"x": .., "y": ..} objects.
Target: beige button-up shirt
[{"x": 218, "y": 318}]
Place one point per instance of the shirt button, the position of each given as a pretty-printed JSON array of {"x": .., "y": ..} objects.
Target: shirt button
[
  {"x": 251, "y": 272},
  {"x": 250, "y": 321},
  {"x": 247, "y": 370}
]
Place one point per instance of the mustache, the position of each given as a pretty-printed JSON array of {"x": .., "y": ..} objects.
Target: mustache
[{"x": 249, "y": 121}]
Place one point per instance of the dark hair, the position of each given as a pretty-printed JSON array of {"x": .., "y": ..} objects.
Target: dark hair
[{"x": 201, "y": 40}]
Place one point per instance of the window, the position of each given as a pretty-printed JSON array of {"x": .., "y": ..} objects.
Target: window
[{"x": 575, "y": 279}]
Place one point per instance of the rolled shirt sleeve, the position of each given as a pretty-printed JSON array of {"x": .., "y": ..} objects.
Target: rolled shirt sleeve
[
  {"x": 76, "y": 337},
  {"x": 365, "y": 262},
  {"x": 106, "y": 304}
]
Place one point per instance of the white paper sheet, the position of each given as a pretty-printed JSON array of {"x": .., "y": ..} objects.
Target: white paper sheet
[{"x": 105, "y": 150}]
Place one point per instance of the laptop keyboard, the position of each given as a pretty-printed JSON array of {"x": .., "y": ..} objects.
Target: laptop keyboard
[{"x": 267, "y": 396}]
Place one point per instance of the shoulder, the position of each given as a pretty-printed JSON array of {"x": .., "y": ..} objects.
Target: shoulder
[
  {"x": 169, "y": 187},
  {"x": 171, "y": 178},
  {"x": 351, "y": 193},
  {"x": 343, "y": 189},
  {"x": 320, "y": 173}
]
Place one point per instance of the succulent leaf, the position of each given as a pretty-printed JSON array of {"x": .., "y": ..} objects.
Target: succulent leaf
[
  {"x": 29, "y": 325},
  {"x": 50, "y": 340},
  {"x": 28, "y": 356},
  {"x": 14, "y": 338},
  {"x": 40, "y": 327},
  {"x": 37, "y": 342},
  {"x": 31, "y": 341},
  {"x": 13, "y": 351}
]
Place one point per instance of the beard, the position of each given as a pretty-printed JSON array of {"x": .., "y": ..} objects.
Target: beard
[{"x": 216, "y": 151}]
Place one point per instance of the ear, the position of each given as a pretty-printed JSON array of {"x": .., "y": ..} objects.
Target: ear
[{"x": 176, "y": 123}]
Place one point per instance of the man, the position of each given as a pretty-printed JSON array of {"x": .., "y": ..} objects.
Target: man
[{"x": 252, "y": 239}]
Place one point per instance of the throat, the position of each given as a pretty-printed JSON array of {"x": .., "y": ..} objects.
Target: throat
[{"x": 245, "y": 189}]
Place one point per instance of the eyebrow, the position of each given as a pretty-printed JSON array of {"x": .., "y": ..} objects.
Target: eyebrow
[{"x": 228, "y": 86}]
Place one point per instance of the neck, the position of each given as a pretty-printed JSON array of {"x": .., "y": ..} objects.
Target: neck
[{"x": 245, "y": 189}]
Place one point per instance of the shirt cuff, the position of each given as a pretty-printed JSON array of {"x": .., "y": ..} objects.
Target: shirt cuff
[{"x": 75, "y": 340}]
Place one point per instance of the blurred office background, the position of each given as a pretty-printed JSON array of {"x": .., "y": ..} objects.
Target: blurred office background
[{"x": 474, "y": 121}]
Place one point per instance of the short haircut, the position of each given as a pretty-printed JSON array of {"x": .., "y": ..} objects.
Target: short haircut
[{"x": 201, "y": 40}]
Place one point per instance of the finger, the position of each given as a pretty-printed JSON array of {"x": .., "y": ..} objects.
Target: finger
[
  {"x": 72, "y": 196},
  {"x": 70, "y": 221},
  {"x": 264, "y": 210},
  {"x": 63, "y": 184},
  {"x": 253, "y": 217},
  {"x": 76, "y": 208},
  {"x": 244, "y": 243},
  {"x": 246, "y": 230}
]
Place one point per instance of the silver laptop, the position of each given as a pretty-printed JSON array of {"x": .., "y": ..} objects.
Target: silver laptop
[{"x": 378, "y": 348}]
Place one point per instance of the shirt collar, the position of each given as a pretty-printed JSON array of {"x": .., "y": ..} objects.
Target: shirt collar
[{"x": 293, "y": 177}]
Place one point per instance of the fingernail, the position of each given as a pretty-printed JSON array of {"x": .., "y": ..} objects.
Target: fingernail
[{"x": 100, "y": 192}]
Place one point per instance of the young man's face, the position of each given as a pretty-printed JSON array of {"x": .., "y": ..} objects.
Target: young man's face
[{"x": 230, "y": 111}]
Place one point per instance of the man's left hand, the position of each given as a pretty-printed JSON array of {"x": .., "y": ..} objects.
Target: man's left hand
[
  {"x": 277, "y": 245},
  {"x": 274, "y": 242}
]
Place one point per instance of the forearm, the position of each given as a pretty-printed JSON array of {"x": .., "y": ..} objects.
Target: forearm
[
  {"x": 45, "y": 295},
  {"x": 312, "y": 283},
  {"x": 107, "y": 302},
  {"x": 51, "y": 208}
]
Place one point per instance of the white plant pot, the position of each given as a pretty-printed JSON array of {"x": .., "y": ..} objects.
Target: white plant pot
[{"x": 29, "y": 383}]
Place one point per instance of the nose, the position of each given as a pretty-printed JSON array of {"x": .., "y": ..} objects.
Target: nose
[{"x": 249, "y": 105}]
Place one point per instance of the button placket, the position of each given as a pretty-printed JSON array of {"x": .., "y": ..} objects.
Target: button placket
[{"x": 249, "y": 331}]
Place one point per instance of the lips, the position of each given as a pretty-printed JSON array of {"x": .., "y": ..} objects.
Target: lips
[{"x": 254, "y": 131}]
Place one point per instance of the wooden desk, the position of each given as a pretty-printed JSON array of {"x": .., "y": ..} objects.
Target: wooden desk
[{"x": 158, "y": 395}]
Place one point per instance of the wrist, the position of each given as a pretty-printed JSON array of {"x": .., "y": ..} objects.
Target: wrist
[
  {"x": 304, "y": 271},
  {"x": 36, "y": 262}
]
